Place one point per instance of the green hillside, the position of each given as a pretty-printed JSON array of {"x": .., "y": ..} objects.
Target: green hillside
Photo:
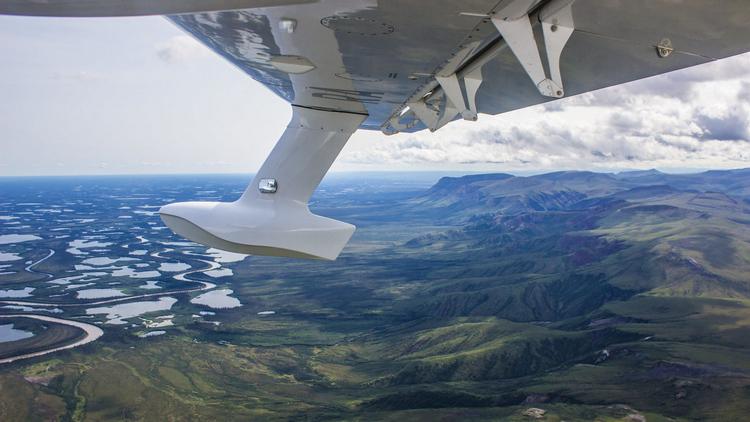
[{"x": 593, "y": 297}]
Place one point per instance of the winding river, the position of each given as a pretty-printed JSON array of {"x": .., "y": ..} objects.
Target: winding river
[
  {"x": 179, "y": 277},
  {"x": 29, "y": 268},
  {"x": 92, "y": 333}
]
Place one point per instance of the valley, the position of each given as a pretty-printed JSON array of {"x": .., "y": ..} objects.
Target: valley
[{"x": 590, "y": 296}]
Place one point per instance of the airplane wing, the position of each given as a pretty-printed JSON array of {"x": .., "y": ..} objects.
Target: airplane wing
[{"x": 405, "y": 66}]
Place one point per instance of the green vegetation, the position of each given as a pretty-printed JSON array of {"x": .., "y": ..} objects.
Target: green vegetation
[
  {"x": 47, "y": 335},
  {"x": 590, "y": 297}
]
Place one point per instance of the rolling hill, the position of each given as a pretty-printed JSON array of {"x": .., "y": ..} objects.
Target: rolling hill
[{"x": 608, "y": 297}]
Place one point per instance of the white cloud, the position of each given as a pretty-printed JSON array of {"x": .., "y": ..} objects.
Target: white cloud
[
  {"x": 181, "y": 48},
  {"x": 143, "y": 120},
  {"x": 697, "y": 117},
  {"x": 80, "y": 76}
]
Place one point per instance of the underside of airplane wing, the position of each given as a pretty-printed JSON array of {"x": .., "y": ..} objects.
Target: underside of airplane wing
[{"x": 405, "y": 66}]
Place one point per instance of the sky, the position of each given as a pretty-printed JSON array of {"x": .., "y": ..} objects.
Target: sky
[{"x": 138, "y": 96}]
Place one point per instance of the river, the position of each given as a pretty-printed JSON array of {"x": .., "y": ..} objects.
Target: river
[{"x": 92, "y": 333}]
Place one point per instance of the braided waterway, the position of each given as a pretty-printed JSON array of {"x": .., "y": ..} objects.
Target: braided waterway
[
  {"x": 93, "y": 332},
  {"x": 204, "y": 285}
]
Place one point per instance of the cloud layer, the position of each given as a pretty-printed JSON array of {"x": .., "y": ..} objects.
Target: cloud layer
[
  {"x": 181, "y": 48},
  {"x": 136, "y": 95},
  {"x": 697, "y": 117}
]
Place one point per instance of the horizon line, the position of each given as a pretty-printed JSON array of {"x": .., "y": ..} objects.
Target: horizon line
[{"x": 522, "y": 173}]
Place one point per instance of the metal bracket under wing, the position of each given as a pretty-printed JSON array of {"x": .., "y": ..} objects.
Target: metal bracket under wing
[
  {"x": 557, "y": 26},
  {"x": 453, "y": 102},
  {"x": 458, "y": 88},
  {"x": 519, "y": 35},
  {"x": 428, "y": 116},
  {"x": 472, "y": 82},
  {"x": 452, "y": 90}
]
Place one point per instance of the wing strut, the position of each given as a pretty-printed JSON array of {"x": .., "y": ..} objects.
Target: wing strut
[{"x": 272, "y": 216}]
